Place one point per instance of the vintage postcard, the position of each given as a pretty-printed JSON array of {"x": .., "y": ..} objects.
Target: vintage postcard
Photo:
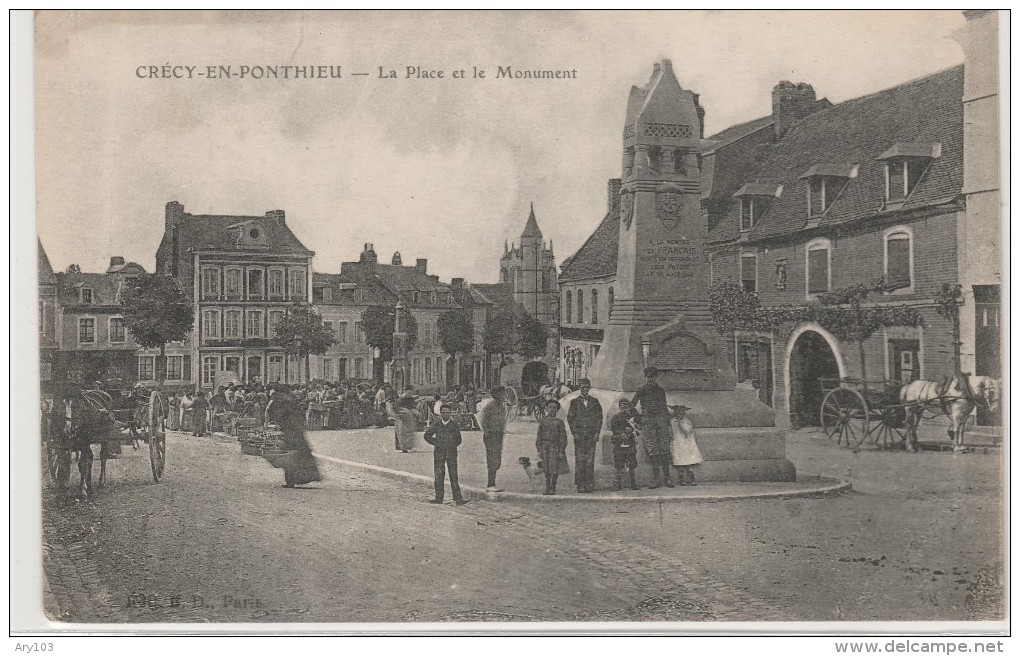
[{"x": 447, "y": 321}]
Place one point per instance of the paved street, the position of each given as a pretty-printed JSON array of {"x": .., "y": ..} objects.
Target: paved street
[{"x": 220, "y": 541}]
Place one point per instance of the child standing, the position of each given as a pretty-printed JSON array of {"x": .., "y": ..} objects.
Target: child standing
[
  {"x": 624, "y": 445},
  {"x": 684, "y": 451},
  {"x": 552, "y": 445}
]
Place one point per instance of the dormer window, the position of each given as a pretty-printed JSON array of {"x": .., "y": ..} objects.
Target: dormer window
[
  {"x": 905, "y": 164},
  {"x": 755, "y": 200},
  {"x": 86, "y": 296},
  {"x": 325, "y": 294},
  {"x": 824, "y": 184}
]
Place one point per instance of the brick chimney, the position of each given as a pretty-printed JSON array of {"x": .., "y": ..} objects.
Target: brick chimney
[
  {"x": 395, "y": 260},
  {"x": 613, "y": 192},
  {"x": 368, "y": 255},
  {"x": 791, "y": 103},
  {"x": 457, "y": 283},
  {"x": 279, "y": 215},
  {"x": 421, "y": 265},
  {"x": 116, "y": 260},
  {"x": 174, "y": 214}
]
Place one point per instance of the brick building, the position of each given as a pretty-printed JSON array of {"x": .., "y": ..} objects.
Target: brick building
[
  {"x": 242, "y": 272},
  {"x": 870, "y": 188}
]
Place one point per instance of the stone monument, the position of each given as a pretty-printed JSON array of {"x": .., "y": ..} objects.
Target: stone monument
[{"x": 661, "y": 312}]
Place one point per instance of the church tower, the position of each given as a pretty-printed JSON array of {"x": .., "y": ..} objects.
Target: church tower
[{"x": 530, "y": 270}]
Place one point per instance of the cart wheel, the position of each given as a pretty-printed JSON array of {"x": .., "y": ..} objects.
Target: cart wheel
[
  {"x": 890, "y": 427},
  {"x": 511, "y": 403},
  {"x": 845, "y": 417},
  {"x": 157, "y": 437}
]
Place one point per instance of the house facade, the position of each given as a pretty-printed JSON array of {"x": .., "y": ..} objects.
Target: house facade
[
  {"x": 243, "y": 273},
  {"x": 872, "y": 188},
  {"x": 586, "y": 284},
  {"x": 48, "y": 344},
  {"x": 341, "y": 301},
  {"x": 94, "y": 343}
]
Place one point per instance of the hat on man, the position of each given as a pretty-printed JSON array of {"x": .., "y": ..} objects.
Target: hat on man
[
  {"x": 651, "y": 371},
  {"x": 584, "y": 381},
  {"x": 622, "y": 400},
  {"x": 553, "y": 402}
]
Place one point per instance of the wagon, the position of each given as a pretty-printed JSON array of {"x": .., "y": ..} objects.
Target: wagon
[{"x": 854, "y": 412}]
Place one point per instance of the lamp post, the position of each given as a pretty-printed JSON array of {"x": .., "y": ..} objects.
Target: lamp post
[{"x": 298, "y": 343}]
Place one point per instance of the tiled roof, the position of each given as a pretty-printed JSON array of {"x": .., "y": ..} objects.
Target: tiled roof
[
  {"x": 739, "y": 131},
  {"x": 45, "y": 270},
  {"x": 597, "y": 256},
  {"x": 393, "y": 278},
  {"x": 344, "y": 286},
  {"x": 105, "y": 288},
  {"x": 219, "y": 232},
  {"x": 858, "y": 132},
  {"x": 500, "y": 294}
]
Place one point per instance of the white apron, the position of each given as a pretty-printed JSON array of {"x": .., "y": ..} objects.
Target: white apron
[{"x": 684, "y": 449}]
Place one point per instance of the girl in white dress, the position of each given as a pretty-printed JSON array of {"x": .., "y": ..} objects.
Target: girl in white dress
[{"x": 684, "y": 449}]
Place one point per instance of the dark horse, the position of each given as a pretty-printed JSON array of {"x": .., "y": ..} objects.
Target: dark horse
[{"x": 83, "y": 418}]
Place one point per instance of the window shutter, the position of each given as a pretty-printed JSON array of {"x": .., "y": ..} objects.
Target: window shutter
[
  {"x": 187, "y": 367},
  {"x": 898, "y": 267},
  {"x": 818, "y": 271},
  {"x": 896, "y": 180}
]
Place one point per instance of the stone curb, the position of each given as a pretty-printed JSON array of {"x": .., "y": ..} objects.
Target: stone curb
[{"x": 824, "y": 486}]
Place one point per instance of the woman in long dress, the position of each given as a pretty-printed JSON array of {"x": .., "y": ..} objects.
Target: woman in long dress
[
  {"x": 299, "y": 467},
  {"x": 406, "y": 424},
  {"x": 684, "y": 450}
]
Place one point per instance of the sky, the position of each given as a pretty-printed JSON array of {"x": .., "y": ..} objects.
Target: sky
[{"x": 442, "y": 169}]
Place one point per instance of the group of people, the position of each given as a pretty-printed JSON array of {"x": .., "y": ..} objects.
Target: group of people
[{"x": 666, "y": 431}]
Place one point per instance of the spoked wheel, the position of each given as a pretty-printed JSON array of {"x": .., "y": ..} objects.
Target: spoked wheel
[
  {"x": 890, "y": 427},
  {"x": 512, "y": 403},
  {"x": 845, "y": 417},
  {"x": 157, "y": 437}
]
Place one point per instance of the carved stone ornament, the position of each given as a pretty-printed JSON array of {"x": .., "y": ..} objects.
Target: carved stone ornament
[
  {"x": 627, "y": 208},
  {"x": 668, "y": 206}
]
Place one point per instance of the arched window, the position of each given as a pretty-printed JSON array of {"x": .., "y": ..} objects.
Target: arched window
[
  {"x": 580, "y": 306},
  {"x": 899, "y": 259},
  {"x": 568, "y": 303},
  {"x": 611, "y": 299},
  {"x": 818, "y": 260},
  {"x": 594, "y": 306}
]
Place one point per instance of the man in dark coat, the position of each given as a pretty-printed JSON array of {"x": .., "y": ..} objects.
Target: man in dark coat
[
  {"x": 655, "y": 430},
  {"x": 444, "y": 436},
  {"x": 585, "y": 420}
]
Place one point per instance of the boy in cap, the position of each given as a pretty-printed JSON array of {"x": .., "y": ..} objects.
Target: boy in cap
[
  {"x": 552, "y": 445},
  {"x": 624, "y": 445}
]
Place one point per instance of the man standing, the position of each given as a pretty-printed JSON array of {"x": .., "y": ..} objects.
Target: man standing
[
  {"x": 493, "y": 423},
  {"x": 444, "y": 435},
  {"x": 585, "y": 420},
  {"x": 655, "y": 431}
]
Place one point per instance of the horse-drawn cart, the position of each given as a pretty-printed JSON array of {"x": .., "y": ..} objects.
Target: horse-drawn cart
[
  {"x": 887, "y": 413},
  {"x": 854, "y": 412},
  {"x": 86, "y": 417}
]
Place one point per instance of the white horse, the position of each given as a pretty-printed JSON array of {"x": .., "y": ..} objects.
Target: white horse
[{"x": 957, "y": 397}]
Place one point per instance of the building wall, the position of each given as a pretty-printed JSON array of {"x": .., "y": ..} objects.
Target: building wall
[{"x": 341, "y": 360}]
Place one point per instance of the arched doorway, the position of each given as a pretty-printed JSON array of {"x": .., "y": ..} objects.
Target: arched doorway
[
  {"x": 811, "y": 359},
  {"x": 533, "y": 376}
]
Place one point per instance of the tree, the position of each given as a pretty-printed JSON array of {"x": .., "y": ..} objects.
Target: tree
[
  {"x": 947, "y": 306},
  {"x": 303, "y": 334},
  {"x": 157, "y": 311},
  {"x": 533, "y": 338},
  {"x": 500, "y": 334},
  {"x": 456, "y": 332},
  {"x": 378, "y": 324},
  {"x": 72, "y": 268}
]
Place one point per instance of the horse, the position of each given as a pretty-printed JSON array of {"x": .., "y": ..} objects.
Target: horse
[
  {"x": 957, "y": 397},
  {"x": 85, "y": 417}
]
